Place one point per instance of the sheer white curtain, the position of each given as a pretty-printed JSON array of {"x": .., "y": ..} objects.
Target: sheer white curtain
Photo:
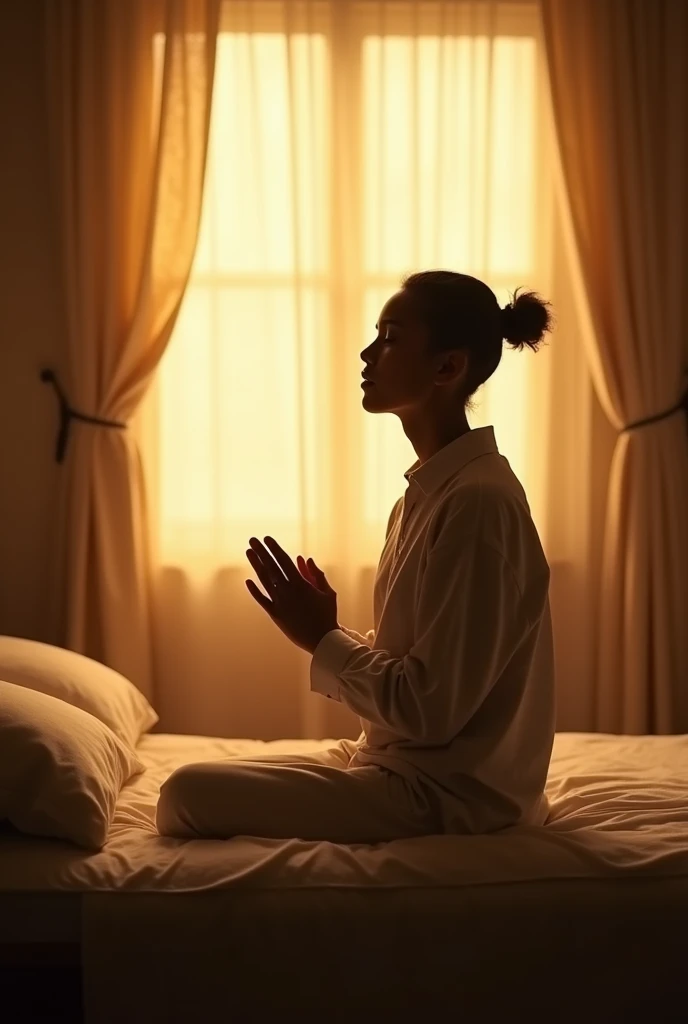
[{"x": 350, "y": 143}]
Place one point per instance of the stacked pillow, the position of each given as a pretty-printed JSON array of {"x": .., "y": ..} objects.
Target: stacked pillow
[{"x": 69, "y": 727}]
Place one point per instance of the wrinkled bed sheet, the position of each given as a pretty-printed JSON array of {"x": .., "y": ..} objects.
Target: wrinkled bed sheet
[{"x": 619, "y": 805}]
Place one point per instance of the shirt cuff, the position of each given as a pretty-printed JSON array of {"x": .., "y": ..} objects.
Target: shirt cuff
[{"x": 329, "y": 659}]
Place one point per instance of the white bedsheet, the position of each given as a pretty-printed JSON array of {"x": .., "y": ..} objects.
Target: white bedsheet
[{"x": 619, "y": 806}]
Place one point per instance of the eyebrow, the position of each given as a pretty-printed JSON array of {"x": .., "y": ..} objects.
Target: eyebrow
[{"x": 386, "y": 320}]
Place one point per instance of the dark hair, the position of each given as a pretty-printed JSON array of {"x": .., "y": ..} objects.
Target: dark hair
[{"x": 462, "y": 312}]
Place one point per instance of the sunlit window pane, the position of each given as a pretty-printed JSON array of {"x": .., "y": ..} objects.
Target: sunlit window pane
[
  {"x": 239, "y": 391},
  {"x": 235, "y": 425},
  {"x": 266, "y": 179},
  {"x": 254, "y": 384},
  {"x": 448, "y": 137},
  {"x": 511, "y": 172}
]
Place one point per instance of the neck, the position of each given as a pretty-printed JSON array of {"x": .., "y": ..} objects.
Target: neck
[{"x": 428, "y": 438}]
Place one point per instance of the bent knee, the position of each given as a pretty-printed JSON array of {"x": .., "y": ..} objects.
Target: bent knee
[{"x": 175, "y": 802}]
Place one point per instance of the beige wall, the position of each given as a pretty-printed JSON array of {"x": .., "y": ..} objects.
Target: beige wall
[{"x": 31, "y": 328}]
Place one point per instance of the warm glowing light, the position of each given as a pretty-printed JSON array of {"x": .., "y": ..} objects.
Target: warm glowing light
[{"x": 259, "y": 395}]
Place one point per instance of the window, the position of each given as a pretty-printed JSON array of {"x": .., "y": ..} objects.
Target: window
[{"x": 350, "y": 143}]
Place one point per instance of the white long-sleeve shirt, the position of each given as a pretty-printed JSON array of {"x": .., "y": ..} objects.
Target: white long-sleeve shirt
[{"x": 455, "y": 684}]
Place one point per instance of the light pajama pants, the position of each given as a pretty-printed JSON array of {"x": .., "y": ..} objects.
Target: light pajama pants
[{"x": 293, "y": 796}]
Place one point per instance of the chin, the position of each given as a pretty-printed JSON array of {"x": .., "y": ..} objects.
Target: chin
[{"x": 368, "y": 401}]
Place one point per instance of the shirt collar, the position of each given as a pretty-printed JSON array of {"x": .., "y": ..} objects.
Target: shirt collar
[{"x": 452, "y": 458}]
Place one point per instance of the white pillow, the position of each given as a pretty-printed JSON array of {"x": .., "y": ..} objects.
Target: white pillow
[
  {"x": 81, "y": 681},
  {"x": 61, "y": 770}
]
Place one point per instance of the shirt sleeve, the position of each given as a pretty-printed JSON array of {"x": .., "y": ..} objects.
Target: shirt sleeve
[{"x": 469, "y": 621}]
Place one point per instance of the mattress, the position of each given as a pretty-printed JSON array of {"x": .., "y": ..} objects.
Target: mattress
[
  {"x": 619, "y": 807},
  {"x": 615, "y": 847}
]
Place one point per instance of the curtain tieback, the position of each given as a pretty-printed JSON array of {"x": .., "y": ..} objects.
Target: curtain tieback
[
  {"x": 681, "y": 406},
  {"x": 67, "y": 414}
]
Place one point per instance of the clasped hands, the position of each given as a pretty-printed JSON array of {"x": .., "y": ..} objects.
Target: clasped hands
[{"x": 301, "y": 601}]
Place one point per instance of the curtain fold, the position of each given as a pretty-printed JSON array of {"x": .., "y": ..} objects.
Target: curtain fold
[
  {"x": 129, "y": 93},
  {"x": 618, "y": 82}
]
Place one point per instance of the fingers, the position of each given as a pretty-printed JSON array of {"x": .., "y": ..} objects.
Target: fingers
[
  {"x": 260, "y": 598},
  {"x": 266, "y": 573},
  {"x": 317, "y": 574},
  {"x": 258, "y": 555},
  {"x": 304, "y": 569},
  {"x": 310, "y": 572},
  {"x": 279, "y": 555}
]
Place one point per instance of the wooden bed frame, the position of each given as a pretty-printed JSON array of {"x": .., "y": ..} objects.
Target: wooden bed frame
[{"x": 591, "y": 953}]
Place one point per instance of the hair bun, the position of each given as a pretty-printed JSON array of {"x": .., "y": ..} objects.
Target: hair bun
[{"x": 525, "y": 321}]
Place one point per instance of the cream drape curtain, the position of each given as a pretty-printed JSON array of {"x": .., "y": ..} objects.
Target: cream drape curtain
[
  {"x": 129, "y": 133},
  {"x": 350, "y": 143},
  {"x": 619, "y": 79}
]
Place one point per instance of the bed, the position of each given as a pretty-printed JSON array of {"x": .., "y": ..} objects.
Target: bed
[{"x": 585, "y": 917}]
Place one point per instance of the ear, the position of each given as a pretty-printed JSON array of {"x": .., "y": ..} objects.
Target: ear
[{"x": 453, "y": 366}]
